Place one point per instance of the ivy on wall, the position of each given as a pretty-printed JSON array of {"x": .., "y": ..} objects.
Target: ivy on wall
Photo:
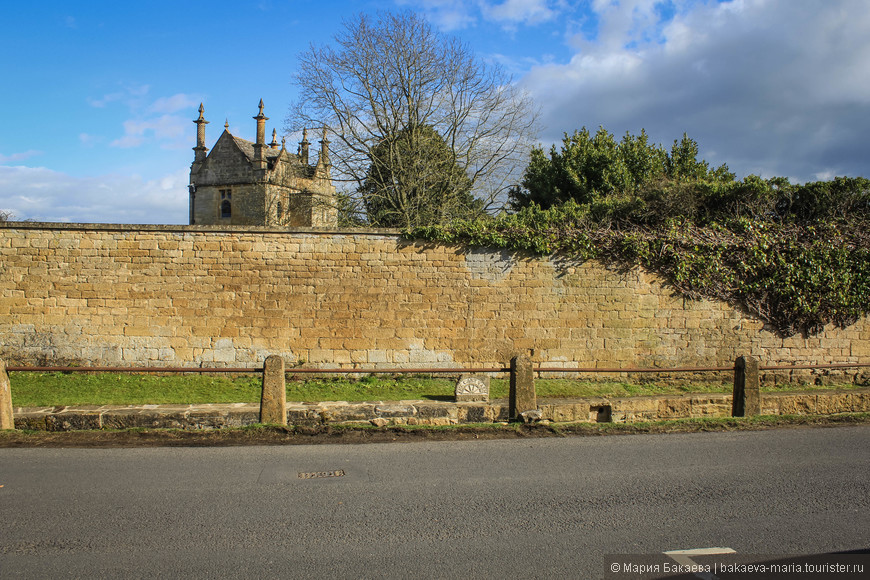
[{"x": 795, "y": 256}]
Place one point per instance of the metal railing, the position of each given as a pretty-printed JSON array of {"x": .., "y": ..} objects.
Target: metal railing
[
  {"x": 424, "y": 370},
  {"x": 746, "y": 398}
]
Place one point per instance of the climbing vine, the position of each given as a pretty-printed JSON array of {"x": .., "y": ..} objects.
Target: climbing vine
[{"x": 796, "y": 257}]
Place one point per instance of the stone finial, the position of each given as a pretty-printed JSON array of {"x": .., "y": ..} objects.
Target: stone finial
[
  {"x": 259, "y": 154},
  {"x": 324, "y": 149},
  {"x": 303, "y": 147},
  {"x": 283, "y": 143},
  {"x": 227, "y": 125},
  {"x": 274, "y": 143}
]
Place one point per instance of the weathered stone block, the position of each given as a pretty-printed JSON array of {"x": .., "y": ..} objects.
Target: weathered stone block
[
  {"x": 72, "y": 421},
  {"x": 433, "y": 411},
  {"x": 395, "y": 410},
  {"x": 472, "y": 388},
  {"x": 341, "y": 413},
  {"x": 474, "y": 414},
  {"x": 305, "y": 416}
]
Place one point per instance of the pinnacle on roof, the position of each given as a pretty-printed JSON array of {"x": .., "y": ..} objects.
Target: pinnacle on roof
[{"x": 260, "y": 114}]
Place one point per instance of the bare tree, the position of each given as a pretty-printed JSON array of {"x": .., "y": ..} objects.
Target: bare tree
[{"x": 393, "y": 74}]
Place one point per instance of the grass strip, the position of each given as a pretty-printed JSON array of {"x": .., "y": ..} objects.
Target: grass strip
[{"x": 31, "y": 389}]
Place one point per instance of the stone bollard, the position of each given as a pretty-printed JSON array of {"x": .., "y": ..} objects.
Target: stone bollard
[
  {"x": 6, "y": 419},
  {"x": 522, "y": 387},
  {"x": 746, "y": 401},
  {"x": 273, "y": 403}
]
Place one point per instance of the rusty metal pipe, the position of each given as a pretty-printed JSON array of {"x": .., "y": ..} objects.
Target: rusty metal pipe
[
  {"x": 589, "y": 370},
  {"x": 632, "y": 370},
  {"x": 253, "y": 370}
]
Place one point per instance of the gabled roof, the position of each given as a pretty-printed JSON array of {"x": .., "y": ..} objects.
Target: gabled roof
[
  {"x": 247, "y": 148},
  {"x": 273, "y": 156}
]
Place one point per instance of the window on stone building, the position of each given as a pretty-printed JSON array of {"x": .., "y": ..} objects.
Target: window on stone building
[
  {"x": 226, "y": 203},
  {"x": 280, "y": 211}
]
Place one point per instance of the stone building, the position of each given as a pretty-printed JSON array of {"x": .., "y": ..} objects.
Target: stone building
[{"x": 243, "y": 183}]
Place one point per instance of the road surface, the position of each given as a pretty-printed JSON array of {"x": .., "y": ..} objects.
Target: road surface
[{"x": 479, "y": 509}]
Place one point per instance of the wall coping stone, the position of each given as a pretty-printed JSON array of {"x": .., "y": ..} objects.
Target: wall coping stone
[{"x": 135, "y": 228}]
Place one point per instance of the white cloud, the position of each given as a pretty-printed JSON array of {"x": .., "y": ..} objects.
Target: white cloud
[
  {"x": 519, "y": 11},
  {"x": 450, "y": 15},
  {"x": 19, "y": 156},
  {"x": 88, "y": 140},
  {"x": 152, "y": 119},
  {"x": 166, "y": 129},
  {"x": 41, "y": 194},
  {"x": 622, "y": 22},
  {"x": 128, "y": 141},
  {"x": 173, "y": 104},
  {"x": 131, "y": 96},
  {"x": 773, "y": 87}
]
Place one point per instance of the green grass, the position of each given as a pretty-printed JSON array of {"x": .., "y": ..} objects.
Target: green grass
[
  {"x": 373, "y": 388},
  {"x": 50, "y": 389}
]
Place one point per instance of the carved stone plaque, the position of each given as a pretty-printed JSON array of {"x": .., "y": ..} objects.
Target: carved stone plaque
[{"x": 472, "y": 388}]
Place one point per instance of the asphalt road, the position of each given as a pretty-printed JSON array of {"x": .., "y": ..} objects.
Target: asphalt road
[{"x": 480, "y": 509}]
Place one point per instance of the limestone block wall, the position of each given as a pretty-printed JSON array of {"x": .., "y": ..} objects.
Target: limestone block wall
[{"x": 231, "y": 296}]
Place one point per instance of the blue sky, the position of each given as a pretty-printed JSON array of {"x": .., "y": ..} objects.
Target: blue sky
[{"x": 99, "y": 97}]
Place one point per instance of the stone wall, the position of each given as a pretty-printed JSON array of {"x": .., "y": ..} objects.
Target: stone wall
[{"x": 222, "y": 296}]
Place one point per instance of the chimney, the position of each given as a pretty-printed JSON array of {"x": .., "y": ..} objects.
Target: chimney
[
  {"x": 303, "y": 147},
  {"x": 259, "y": 146},
  {"x": 324, "y": 151},
  {"x": 200, "y": 150}
]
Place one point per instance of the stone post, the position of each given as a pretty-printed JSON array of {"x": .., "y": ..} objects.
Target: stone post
[
  {"x": 522, "y": 387},
  {"x": 746, "y": 401},
  {"x": 273, "y": 404},
  {"x": 6, "y": 420}
]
